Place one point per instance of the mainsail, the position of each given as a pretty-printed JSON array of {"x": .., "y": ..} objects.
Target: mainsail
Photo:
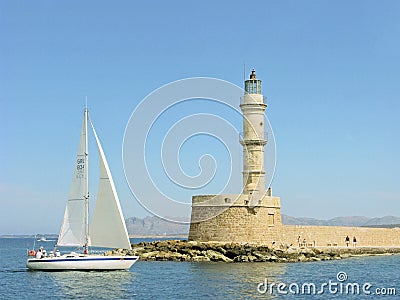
[
  {"x": 73, "y": 229},
  {"x": 107, "y": 228}
]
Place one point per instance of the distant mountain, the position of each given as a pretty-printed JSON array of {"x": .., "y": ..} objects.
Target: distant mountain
[
  {"x": 387, "y": 220},
  {"x": 356, "y": 221},
  {"x": 155, "y": 226}
]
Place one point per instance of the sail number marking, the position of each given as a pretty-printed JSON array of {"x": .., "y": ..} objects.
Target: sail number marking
[{"x": 80, "y": 167}]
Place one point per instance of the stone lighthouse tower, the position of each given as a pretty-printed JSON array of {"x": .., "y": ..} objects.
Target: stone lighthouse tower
[
  {"x": 253, "y": 140},
  {"x": 254, "y": 215}
]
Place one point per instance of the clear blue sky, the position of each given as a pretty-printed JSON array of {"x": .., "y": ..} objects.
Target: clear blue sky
[{"x": 331, "y": 71}]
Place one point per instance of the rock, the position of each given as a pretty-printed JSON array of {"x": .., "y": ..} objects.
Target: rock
[
  {"x": 176, "y": 250},
  {"x": 162, "y": 255},
  {"x": 149, "y": 255},
  {"x": 118, "y": 251},
  {"x": 302, "y": 257},
  {"x": 261, "y": 256},
  {"x": 200, "y": 258},
  {"x": 162, "y": 244},
  {"x": 292, "y": 250},
  {"x": 235, "y": 251},
  {"x": 137, "y": 249},
  {"x": 216, "y": 256},
  {"x": 174, "y": 256},
  {"x": 315, "y": 259},
  {"x": 221, "y": 249},
  {"x": 307, "y": 252},
  {"x": 194, "y": 252},
  {"x": 316, "y": 251},
  {"x": 272, "y": 258},
  {"x": 185, "y": 257},
  {"x": 324, "y": 257},
  {"x": 241, "y": 258},
  {"x": 252, "y": 258},
  {"x": 199, "y": 246}
]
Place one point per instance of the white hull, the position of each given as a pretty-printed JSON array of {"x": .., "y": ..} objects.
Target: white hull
[{"x": 82, "y": 262}]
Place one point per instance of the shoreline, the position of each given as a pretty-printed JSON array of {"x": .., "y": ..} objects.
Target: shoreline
[
  {"x": 182, "y": 250},
  {"x": 172, "y": 237}
]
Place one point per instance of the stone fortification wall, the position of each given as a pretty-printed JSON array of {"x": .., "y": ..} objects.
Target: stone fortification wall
[
  {"x": 225, "y": 221},
  {"x": 335, "y": 235},
  {"x": 228, "y": 218}
]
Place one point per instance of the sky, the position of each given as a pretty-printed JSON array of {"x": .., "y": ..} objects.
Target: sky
[{"x": 330, "y": 70}]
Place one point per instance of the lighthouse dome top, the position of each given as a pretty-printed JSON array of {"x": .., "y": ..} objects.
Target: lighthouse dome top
[{"x": 253, "y": 74}]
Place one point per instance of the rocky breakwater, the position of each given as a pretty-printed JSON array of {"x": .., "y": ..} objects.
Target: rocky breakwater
[{"x": 176, "y": 250}]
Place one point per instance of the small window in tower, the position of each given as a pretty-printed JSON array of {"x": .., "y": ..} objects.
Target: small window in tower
[
  {"x": 261, "y": 123},
  {"x": 271, "y": 220}
]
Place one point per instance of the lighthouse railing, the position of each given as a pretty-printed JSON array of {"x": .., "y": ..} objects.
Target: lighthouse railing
[
  {"x": 256, "y": 138},
  {"x": 255, "y": 102}
]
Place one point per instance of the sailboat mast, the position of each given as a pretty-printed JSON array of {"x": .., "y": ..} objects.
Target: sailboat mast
[{"x": 86, "y": 184}]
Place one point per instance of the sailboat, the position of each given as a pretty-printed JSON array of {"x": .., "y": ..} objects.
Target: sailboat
[{"x": 107, "y": 228}]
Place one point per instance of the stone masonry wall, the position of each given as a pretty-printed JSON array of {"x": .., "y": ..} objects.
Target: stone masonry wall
[
  {"x": 335, "y": 235},
  {"x": 240, "y": 224},
  {"x": 236, "y": 224}
]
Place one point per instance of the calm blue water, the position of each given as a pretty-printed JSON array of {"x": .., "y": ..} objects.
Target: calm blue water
[{"x": 182, "y": 280}]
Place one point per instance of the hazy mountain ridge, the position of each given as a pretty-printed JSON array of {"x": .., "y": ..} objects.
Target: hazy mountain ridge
[
  {"x": 155, "y": 226},
  {"x": 355, "y": 221}
]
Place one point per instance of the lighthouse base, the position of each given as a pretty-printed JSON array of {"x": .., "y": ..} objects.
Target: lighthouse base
[{"x": 229, "y": 218}]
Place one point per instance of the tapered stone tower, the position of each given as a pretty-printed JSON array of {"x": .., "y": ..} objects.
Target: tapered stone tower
[
  {"x": 253, "y": 140},
  {"x": 253, "y": 216}
]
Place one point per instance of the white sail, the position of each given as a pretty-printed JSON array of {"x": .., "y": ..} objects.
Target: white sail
[
  {"x": 107, "y": 228},
  {"x": 73, "y": 229}
]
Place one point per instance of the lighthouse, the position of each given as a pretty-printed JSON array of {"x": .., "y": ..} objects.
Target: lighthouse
[
  {"x": 253, "y": 216},
  {"x": 253, "y": 139}
]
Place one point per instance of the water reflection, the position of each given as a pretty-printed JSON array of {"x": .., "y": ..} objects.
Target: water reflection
[
  {"x": 98, "y": 285},
  {"x": 235, "y": 280}
]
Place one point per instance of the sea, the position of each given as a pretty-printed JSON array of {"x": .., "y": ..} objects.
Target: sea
[{"x": 376, "y": 277}]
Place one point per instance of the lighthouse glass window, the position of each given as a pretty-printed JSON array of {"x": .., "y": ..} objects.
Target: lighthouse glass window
[
  {"x": 253, "y": 87},
  {"x": 258, "y": 87}
]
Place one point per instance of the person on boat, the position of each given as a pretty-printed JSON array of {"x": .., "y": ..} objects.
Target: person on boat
[
  {"x": 58, "y": 254},
  {"x": 39, "y": 253}
]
